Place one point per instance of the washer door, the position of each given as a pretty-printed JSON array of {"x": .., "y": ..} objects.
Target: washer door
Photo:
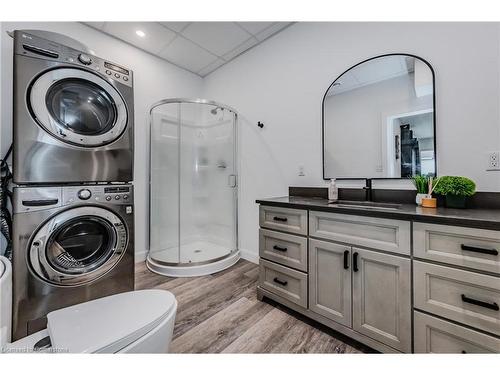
[
  {"x": 78, "y": 107},
  {"x": 78, "y": 246}
]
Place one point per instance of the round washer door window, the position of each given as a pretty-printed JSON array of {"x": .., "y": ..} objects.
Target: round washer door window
[
  {"x": 78, "y": 246},
  {"x": 78, "y": 107}
]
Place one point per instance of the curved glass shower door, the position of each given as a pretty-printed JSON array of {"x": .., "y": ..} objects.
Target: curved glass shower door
[{"x": 193, "y": 185}]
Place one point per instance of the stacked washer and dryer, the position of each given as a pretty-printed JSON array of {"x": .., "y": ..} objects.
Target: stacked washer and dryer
[{"x": 73, "y": 165}]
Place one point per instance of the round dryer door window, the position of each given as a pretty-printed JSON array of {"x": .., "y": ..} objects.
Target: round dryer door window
[
  {"x": 78, "y": 246},
  {"x": 78, "y": 107}
]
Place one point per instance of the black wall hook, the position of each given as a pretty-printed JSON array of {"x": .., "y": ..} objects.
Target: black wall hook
[{"x": 260, "y": 124}]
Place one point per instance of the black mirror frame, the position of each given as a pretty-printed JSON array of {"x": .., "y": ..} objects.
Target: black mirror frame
[{"x": 323, "y": 118}]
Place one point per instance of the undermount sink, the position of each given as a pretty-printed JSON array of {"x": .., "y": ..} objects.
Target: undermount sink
[{"x": 367, "y": 204}]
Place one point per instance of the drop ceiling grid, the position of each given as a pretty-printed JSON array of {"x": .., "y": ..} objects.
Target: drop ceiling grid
[{"x": 199, "y": 47}]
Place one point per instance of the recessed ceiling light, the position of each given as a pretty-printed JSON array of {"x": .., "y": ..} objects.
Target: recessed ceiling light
[{"x": 141, "y": 33}]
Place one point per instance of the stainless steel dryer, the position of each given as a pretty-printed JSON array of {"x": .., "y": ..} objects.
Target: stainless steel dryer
[
  {"x": 73, "y": 115},
  {"x": 71, "y": 244}
]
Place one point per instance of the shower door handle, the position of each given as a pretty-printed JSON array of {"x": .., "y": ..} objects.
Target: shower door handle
[{"x": 231, "y": 180}]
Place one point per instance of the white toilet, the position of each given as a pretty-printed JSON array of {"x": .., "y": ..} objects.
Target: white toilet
[{"x": 132, "y": 322}]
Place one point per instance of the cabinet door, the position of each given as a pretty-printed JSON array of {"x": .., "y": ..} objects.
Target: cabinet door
[
  {"x": 381, "y": 297},
  {"x": 330, "y": 280}
]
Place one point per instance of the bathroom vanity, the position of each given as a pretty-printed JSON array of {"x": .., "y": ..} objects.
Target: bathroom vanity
[{"x": 398, "y": 278}]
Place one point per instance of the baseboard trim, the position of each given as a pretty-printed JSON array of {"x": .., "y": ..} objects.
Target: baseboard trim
[
  {"x": 140, "y": 256},
  {"x": 251, "y": 256}
]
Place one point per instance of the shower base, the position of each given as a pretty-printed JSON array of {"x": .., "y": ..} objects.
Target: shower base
[{"x": 196, "y": 259}]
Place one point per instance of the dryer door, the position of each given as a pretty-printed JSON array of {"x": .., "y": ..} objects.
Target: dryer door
[
  {"x": 78, "y": 246},
  {"x": 78, "y": 107}
]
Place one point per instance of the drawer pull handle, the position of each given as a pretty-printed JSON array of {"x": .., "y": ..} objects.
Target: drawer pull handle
[
  {"x": 482, "y": 250},
  {"x": 355, "y": 262},
  {"x": 488, "y": 305},
  {"x": 346, "y": 259},
  {"x": 281, "y": 282},
  {"x": 283, "y": 219},
  {"x": 276, "y": 247}
]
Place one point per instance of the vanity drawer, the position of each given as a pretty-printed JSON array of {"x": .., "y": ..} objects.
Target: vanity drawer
[
  {"x": 468, "y": 247},
  {"x": 463, "y": 296},
  {"x": 433, "y": 335},
  {"x": 286, "y": 219},
  {"x": 282, "y": 248},
  {"x": 383, "y": 234},
  {"x": 284, "y": 282}
]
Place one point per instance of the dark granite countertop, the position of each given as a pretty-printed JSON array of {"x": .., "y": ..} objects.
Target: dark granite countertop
[{"x": 471, "y": 217}]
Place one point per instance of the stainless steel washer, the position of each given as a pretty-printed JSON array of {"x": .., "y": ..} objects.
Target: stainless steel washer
[
  {"x": 71, "y": 244},
  {"x": 73, "y": 115}
]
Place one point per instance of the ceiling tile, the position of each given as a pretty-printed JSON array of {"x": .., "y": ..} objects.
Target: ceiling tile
[
  {"x": 211, "y": 67},
  {"x": 157, "y": 37},
  {"x": 205, "y": 47},
  {"x": 175, "y": 26},
  {"x": 217, "y": 37},
  {"x": 273, "y": 29},
  {"x": 187, "y": 54},
  {"x": 240, "y": 49},
  {"x": 254, "y": 27},
  {"x": 95, "y": 25}
]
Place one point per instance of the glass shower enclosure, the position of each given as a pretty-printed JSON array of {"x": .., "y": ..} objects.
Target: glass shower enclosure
[{"x": 193, "y": 187}]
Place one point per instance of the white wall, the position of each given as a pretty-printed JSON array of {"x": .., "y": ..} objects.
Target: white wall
[
  {"x": 282, "y": 82},
  {"x": 154, "y": 79}
]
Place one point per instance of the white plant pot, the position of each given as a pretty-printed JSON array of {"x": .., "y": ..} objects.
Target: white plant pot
[{"x": 418, "y": 199}]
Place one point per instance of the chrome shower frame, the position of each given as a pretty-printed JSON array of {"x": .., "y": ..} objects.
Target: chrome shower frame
[{"x": 236, "y": 172}]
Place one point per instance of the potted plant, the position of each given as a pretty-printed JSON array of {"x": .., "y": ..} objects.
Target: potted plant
[
  {"x": 456, "y": 189},
  {"x": 428, "y": 201},
  {"x": 421, "y": 184}
]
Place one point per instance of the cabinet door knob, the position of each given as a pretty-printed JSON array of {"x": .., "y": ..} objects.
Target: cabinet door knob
[
  {"x": 355, "y": 262},
  {"x": 481, "y": 250},
  {"x": 487, "y": 305},
  {"x": 276, "y": 247},
  {"x": 281, "y": 282},
  {"x": 277, "y": 218}
]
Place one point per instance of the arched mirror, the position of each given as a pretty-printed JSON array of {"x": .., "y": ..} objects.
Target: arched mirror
[{"x": 379, "y": 120}]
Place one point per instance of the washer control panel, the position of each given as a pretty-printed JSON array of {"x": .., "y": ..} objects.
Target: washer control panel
[{"x": 105, "y": 194}]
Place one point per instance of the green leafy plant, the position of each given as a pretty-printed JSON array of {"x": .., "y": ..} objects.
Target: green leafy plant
[
  {"x": 420, "y": 183},
  {"x": 456, "y": 185}
]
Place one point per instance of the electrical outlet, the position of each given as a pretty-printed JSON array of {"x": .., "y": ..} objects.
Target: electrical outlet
[{"x": 493, "y": 161}]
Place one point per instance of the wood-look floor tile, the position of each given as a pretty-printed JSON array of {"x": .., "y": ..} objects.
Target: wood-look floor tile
[
  {"x": 217, "y": 332},
  {"x": 221, "y": 313},
  {"x": 258, "y": 336}
]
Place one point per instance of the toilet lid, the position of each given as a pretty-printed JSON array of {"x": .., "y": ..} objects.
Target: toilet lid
[{"x": 109, "y": 324}]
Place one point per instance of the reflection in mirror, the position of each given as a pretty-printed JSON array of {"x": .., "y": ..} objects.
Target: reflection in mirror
[{"x": 378, "y": 120}]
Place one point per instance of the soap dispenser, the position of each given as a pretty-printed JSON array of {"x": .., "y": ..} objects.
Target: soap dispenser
[{"x": 333, "y": 191}]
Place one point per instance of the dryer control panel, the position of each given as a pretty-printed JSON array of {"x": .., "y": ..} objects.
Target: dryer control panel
[{"x": 34, "y": 46}]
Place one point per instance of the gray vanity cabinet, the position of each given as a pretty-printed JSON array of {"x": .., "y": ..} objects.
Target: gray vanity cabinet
[
  {"x": 330, "y": 280},
  {"x": 362, "y": 289},
  {"x": 368, "y": 277},
  {"x": 381, "y": 297}
]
